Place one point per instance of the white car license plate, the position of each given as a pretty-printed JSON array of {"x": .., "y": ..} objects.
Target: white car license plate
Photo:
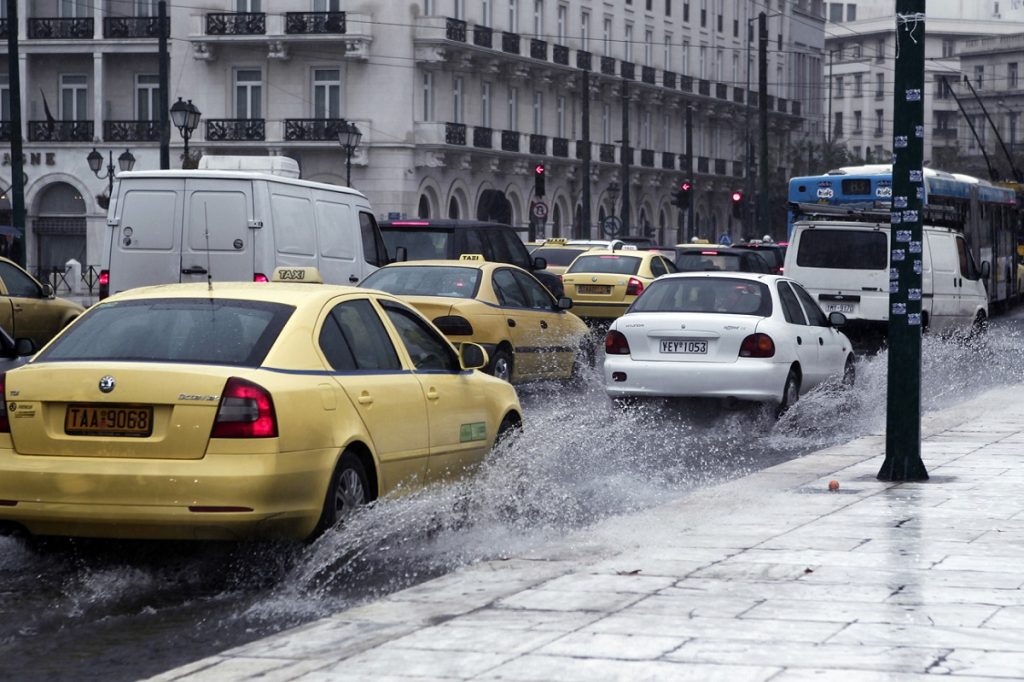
[
  {"x": 696, "y": 347},
  {"x": 839, "y": 308}
]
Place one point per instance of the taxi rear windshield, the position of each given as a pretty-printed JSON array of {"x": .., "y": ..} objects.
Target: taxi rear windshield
[
  {"x": 420, "y": 243},
  {"x": 705, "y": 295},
  {"x": 843, "y": 249},
  {"x": 425, "y": 280},
  {"x": 709, "y": 261},
  {"x": 616, "y": 265},
  {"x": 185, "y": 330},
  {"x": 557, "y": 256}
]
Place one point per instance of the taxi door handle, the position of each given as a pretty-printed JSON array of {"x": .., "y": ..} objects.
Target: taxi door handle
[
  {"x": 543, "y": 324},
  {"x": 432, "y": 394},
  {"x": 365, "y": 398},
  {"x": 511, "y": 323},
  {"x": 17, "y": 308}
]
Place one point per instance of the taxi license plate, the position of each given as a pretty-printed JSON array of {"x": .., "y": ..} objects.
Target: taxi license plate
[
  {"x": 695, "y": 347},
  {"x": 838, "y": 307},
  {"x": 594, "y": 288},
  {"x": 108, "y": 420}
]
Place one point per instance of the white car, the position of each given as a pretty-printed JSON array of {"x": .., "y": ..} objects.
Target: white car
[{"x": 744, "y": 336}]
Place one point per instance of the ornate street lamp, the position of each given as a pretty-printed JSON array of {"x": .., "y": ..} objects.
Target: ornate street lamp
[
  {"x": 613, "y": 193},
  {"x": 185, "y": 117},
  {"x": 125, "y": 162},
  {"x": 349, "y": 137}
]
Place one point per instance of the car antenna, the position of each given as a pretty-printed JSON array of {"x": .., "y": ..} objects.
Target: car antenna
[{"x": 206, "y": 232}]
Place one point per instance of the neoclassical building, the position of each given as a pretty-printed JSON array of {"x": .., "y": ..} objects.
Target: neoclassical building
[{"x": 457, "y": 102}]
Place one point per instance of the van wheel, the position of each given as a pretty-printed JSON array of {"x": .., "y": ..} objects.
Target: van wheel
[
  {"x": 849, "y": 371},
  {"x": 790, "y": 392},
  {"x": 501, "y": 365},
  {"x": 349, "y": 489}
]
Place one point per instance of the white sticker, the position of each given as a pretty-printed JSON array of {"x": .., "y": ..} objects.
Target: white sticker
[
  {"x": 914, "y": 95},
  {"x": 898, "y": 255},
  {"x": 914, "y": 319},
  {"x": 917, "y": 267},
  {"x": 915, "y": 247},
  {"x": 913, "y": 294},
  {"x": 903, "y": 235},
  {"x": 899, "y": 308}
]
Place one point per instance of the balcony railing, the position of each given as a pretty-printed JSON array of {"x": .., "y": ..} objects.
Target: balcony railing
[
  {"x": 703, "y": 163},
  {"x": 720, "y": 167},
  {"x": 795, "y": 108},
  {"x": 60, "y": 131},
  {"x": 483, "y": 36},
  {"x": 539, "y": 144},
  {"x": 668, "y": 160},
  {"x": 704, "y": 87},
  {"x": 608, "y": 66},
  {"x": 314, "y": 129},
  {"x": 737, "y": 169},
  {"x": 628, "y": 154},
  {"x": 4, "y": 28},
  {"x": 483, "y": 137},
  {"x": 582, "y": 147},
  {"x": 65, "y": 29},
  {"x": 647, "y": 75},
  {"x": 455, "y": 133},
  {"x": 627, "y": 70},
  {"x": 560, "y": 54},
  {"x": 686, "y": 83},
  {"x": 668, "y": 79},
  {"x": 236, "y": 23},
  {"x": 235, "y": 129},
  {"x": 560, "y": 147},
  {"x": 606, "y": 153},
  {"x": 647, "y": 157},
  {"x": 314, "y": 22},
  {"x": 455, "y": 29},
  {"x": 583, "y": 60},
  {"x": 510, "y": 42},
  {"x": 5, "y": 131},
  {"x": 131, "y": 131},
  {"x": 132, "y": 27},
  {"x": 737, "y": 95},
  {"x": 721, "y": 91},
  {"x": 539, "y": 49},
  {"x": 509, "y": 141},
  {"x": 782, "y": 105}
]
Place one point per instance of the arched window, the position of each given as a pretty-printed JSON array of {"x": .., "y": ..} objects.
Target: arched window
[
  {"x": 453, "y": 209},
  {"x": 556, "y": 222},
  {"x": 60, "y": 227},
  {"x": 424, "y": 208}
]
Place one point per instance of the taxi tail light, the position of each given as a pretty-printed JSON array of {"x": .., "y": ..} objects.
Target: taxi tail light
[
  {"x": 454, "y": 325},
  {"x": 634, "y": 287},
  {"x": 615, "y": 343},
  {"x": 104, "y": 282},
  {"x": 5, "y": 422},
  {"x": 757, "y": 346},
  {"x": 260, "y": 277},
  {"x": 246, "y": 410}
]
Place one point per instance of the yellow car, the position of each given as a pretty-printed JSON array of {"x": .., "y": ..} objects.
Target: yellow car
[
  {"x": 560, "y": 255},
  {"x": 239, "y": 410},
  {"x": 526, "y": 332},
  {"x": 602, "y": 283},
  {"x": 29, "y": 309}
]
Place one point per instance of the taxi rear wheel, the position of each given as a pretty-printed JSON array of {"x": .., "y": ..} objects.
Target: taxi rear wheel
[
  {"x": 349, "y": 490},
  {"x": 501, "y": 365}
]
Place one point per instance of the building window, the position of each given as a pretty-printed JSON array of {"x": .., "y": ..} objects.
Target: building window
[
  {"x": 839, "y": 94},
  {"x": 686, "y": 12},
  {"x": 851, "y": 12},
  {"x": 858, "y": 85},
  {"x": 143, "y": 8},
  {"x": 457, "y": 107},
  {"x": 879, "y": 121},
  {"x": 949, "y": 48},
  {"x": 73, "y": 9},
  {"x": 648, "y": 47},
  {"x": 629, "y": 42},
  {"x": 703, "y": 13},
  {"x": 879, "y": 85},
  {"x": 703, "y": 61},
  {"x": 941, "y": 88},
  {"x": 513, "y": 109},
  {"x": 606, "y": 123},
  {"x": 249, "y": 93},
  {"x": 538, "y": 113},
  {"x": 979, "y": 77},
  {"x": 585, "y": 30},
  {"x": 837, "y": 130},
  {"x": 538, "y": 19},
  {"x": 563, "y": 17},
  {"x": 326, "y": 93},
  {"x": 560, "y": 123},
  {"x": 487, "y": 13},
  {"x": 835, "y": 12},
  {"x": 606, "y": 35},
  {"x": 428, "y": 96},
  {"x": 645, "y": 130},
  {"x": 74, "y": 95},
  {"x": 246, "y": 6},
  {"x": 485, "y": 104},
  {"x": 855, "y": 52},
  {"x": 1011, "y": 75},
  {"x": 513, "y": 15},
  {"x": 880, "y": 50},
  {"x": 857, "y": 123},
  {"x": 459, "y": 9},
  {"x": 147, "y": 97},
  {"x": 668, "y": 8},
  {"x": 5, "y": 97},
  {"x": 686, "y": 56},
  {"x": 666, "y": 58}
]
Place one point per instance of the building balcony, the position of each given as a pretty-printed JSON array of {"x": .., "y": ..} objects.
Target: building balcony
[
  {"x": 560, "y": 54},
  {"x": 606, "y": 153},
  {"x": 313, "y": 129},
  {"x": 314, "y": 23},
  {"x": 668, "y": 79},
  {"x": 721, "y": 167},
  {"x": 60, "y": 131},
  {"x": 483, "y": 137},
  {"x": 131, "y": 27},
  {"x": 686, "y": 83},
  {"x": 131, "y": 131},
  {"x": 236, "y": 130},
  {"x": 539, "y": 49},
  {"x": 483, "y": 36},
  {"x": 560, "y": 147},
  {"x": 647, "y": 75},
  {"x": 509, "y": 141},
  {"x": 737, "y": 169},
  {"x": 647, "y": 158},
  {"x": 583, "y": 60},
  {"x": 608, "y": 66},
  {"x": 581, "y": 147},
  {"x": 236, "y": 23},
  {"x": 539, "y": 144},
  {"x": 738, "y": 95},
  {"x": 627, "y": 70},
  {"x": 668, "y": 160},
  {"x": 5, "y": 131},
  {"x": 455, "y": 133},
  {"x": 704, "y": 87},
  {"x": 52, "y": 28},
  {"x": 703, "y": 164},
  {"x": 455, "y": 29},
  {"x": 510, "y": 42},
  {"x": 721, "y": 91},
  {"x": 278, "y": 32},
  {"x": 627, "y": 154}
]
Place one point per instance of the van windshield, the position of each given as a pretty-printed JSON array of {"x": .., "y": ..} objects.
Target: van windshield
[
  {"x": 843, "y": 249},
  {"x": 424, "y": 244}
]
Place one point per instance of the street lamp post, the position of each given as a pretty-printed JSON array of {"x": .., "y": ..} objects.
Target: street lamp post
[
  {"x": 125, "y": 162},
  {"x": 349, "y": 137},
  {"x": 185, "y": 117}
]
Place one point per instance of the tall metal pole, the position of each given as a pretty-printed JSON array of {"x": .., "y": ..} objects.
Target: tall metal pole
[
  {"x": 689, "y": 169},
  {"x": 903, "y": 415},
  {"x": 626, "y": 153},
  {"x": 764, "y": 225},
  {"x": 583, "y": 230},
  {"x": 17, "y": 155},
  {"x": 165, "y": 86},
  {"x": 748, "y": 213},
  {"x": 828, "y": 123}
]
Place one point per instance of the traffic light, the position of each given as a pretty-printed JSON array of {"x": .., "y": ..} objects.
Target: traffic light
[
  {"x": 737, "y": 204},
  {"x": 681, "y": 198},
  {"x": 538, "y": 180}
]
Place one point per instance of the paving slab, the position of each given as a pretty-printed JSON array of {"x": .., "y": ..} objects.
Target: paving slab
[{"x": 765, "y": 577}]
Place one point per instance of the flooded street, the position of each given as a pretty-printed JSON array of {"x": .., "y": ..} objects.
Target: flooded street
[{"x": 122, "y": 611}]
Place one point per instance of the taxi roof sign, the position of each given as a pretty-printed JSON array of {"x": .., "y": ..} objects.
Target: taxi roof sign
[
  {"x": 559, "y": 241},
  {"x": 304, "y": 275},
  {"x": 472, "y": 256}
]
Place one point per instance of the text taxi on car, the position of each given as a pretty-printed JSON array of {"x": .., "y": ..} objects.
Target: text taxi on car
[
  {"x": 602, "y": 284},
  {"x": 527, "y": 333},
  {"x": 28, "y": 309},
  {"x": 231, "y": 410}
]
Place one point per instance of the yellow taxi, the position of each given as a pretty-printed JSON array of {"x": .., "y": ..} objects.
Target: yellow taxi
[
  {"x": 191, "y": 411},
  {"x": 28, "y": 309},
  {"x": 527, "y": 333},
  {"x": 559, "y": 254},
  {"x": 602, "y": 283}
]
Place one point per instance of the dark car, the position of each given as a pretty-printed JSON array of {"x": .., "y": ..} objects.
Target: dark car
[
  {"x": 429, "y": 239},
  {"x": 773, "y": 253},
  {"x": 728, "y": 259}
]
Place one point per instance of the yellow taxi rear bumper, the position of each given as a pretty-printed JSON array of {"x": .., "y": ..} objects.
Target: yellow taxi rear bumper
[{"x": 221, "y": 496}]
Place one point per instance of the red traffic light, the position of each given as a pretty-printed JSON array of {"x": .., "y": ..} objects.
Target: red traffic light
[
  {"x": 686, "y": 186},
  {"x": 539, "y": 169},
  {"x": 737, "y": 197}
]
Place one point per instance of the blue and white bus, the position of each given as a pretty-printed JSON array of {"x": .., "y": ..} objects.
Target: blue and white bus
[{"x": 987, "y": 214}]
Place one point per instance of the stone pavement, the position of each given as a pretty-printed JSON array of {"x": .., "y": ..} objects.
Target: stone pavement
[{"x": 768, "y": 577}]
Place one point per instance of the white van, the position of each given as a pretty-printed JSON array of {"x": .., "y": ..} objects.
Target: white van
[
  {"x": 845, "y": 266},
  {"x": 234, "y": 219}
]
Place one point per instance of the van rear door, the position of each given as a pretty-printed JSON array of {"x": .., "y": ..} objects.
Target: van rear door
[
  {"x": 218, "y": 241},
  {"x": 146, "y": 233}
]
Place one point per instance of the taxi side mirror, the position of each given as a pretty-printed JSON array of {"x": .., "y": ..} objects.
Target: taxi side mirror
[
  {"x": 540, "y": 263},
  {"x": 23, "y": 347},
  {"x": 564, "y": 303},
  {"x": 836, "y": 319},
  {"x": 472, "y": 356},
  {"x": 48, "y": 290}
]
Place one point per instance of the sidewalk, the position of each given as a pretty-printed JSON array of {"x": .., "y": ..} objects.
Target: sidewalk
[{"x": 766, "y": 577}]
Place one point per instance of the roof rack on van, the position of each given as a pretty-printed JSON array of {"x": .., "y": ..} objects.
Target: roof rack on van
[{"x": 947, "y": 216}]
